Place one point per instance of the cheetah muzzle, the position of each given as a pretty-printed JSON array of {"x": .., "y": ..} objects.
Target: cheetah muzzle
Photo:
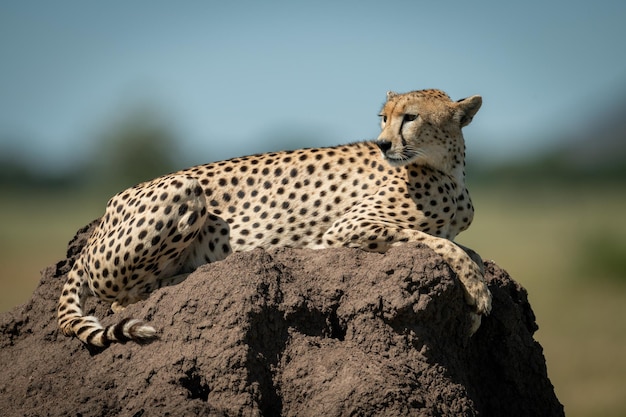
[{"x": 407, "y": 186}]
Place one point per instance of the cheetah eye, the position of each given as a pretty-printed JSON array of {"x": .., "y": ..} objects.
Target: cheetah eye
[
  {"x": 409, "y": 117},
  {"x": 383, "y": 121}
]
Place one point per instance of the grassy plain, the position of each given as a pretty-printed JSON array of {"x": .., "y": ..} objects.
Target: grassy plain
[{"x": 565, "y": 245}]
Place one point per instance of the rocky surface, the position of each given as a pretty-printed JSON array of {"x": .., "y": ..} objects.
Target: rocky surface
[{"x": 287, "y": 332}]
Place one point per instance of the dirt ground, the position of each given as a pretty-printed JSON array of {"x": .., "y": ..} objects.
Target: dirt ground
[{"x": 336, "y": 332}]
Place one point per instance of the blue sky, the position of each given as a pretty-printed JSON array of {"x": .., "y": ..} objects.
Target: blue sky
[{"x": 228, "y": 76}]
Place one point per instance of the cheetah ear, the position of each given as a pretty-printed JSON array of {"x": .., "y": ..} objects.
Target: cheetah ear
[
  {"x": 391, "y": 94},
  {"x": 467, "y": 108}
]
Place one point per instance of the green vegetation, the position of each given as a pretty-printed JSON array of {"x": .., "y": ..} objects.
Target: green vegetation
[
  {"x": 603, "y": 254},
  {"x": 566, "y": 246},
  {"x": 137, "y": 147}
]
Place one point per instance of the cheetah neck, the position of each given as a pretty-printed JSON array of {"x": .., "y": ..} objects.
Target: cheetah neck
[
  {"x": 455, "y": 166},
  {"x": 455, "y": 171},
  {"x": 458, "y": 172},
  {"x": 450, "y": 163}
]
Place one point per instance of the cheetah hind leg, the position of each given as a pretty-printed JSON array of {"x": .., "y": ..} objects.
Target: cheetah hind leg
[
  {"x": 194, "y": 211},
  {"x": 161, "y": 237}
]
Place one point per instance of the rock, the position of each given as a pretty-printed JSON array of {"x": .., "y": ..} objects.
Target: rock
[{"x": 287, "y": 332}]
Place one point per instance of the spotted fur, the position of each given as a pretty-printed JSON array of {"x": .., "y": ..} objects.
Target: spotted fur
[{"x": 406, "y": 186}]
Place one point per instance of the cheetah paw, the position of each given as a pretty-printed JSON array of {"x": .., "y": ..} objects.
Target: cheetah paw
[
  {"x": 480, "y": 299},
  {"x": 117, "y": 307}
]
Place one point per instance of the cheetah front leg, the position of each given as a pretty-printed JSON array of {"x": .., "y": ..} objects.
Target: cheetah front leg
[{"x": 464, "y": 262}]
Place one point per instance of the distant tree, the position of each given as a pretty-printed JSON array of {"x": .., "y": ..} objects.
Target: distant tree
[
  {"x": 13, "y": 170},
  {"x": 19, "y": 171},
  {"x": 137, "y": 148}
]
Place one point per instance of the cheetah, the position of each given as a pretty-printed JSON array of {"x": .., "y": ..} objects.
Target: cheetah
[{"x": 408, "y": 185}]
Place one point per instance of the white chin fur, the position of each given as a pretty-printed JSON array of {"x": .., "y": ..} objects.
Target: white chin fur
[{"x": 395, "y": 162}]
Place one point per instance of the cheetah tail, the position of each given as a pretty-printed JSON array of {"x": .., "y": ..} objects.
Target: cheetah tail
[{"x": 88, "y": 329}]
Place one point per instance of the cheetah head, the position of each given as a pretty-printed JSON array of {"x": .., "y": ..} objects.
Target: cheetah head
[{"x": 424, "y": 127}]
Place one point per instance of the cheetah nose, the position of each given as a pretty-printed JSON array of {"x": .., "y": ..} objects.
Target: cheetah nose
[{"x": 384, "y": 145}]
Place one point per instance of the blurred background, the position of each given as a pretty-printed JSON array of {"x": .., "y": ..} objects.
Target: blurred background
[{"x": 95, "y": 97}]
